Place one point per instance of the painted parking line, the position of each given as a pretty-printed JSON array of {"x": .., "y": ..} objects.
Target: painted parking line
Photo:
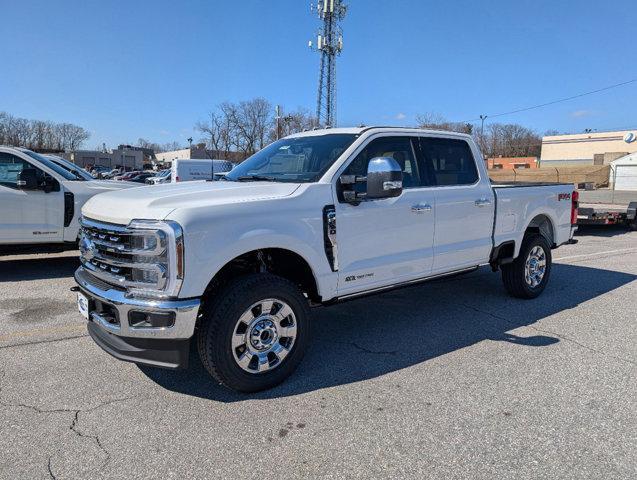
[{"x": 596, "y": 254}]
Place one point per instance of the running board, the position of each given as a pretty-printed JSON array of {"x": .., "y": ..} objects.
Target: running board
[{"x": 396, "y": 286}]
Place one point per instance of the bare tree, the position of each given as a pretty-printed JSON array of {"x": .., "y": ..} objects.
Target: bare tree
[
  {"x": 237, "y": 130},
  {"x": 435, "y": 121},
  {"x": 155, "y": 147},
  {"x": 249, "y": 122},
  {"x": 216, "y": 133},
  {"x": 511, "y": 140},
  {"x": 40, "y": 134},
  {"x": 299, "y": 120},
  {"x": 170, "y": 146}
]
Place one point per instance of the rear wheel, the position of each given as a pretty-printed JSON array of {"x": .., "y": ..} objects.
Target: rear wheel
[
  {"x": 254, "y": 333},
  {"x": 529, "y": 273}
]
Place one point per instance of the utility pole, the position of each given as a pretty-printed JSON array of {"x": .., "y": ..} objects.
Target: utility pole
[
  {"x": 278, "y": 121},
  {"x": 329, "y": 44},
  {"x": 482, "y": 118}
]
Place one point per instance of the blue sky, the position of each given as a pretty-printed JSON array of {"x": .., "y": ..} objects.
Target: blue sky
[{"x": 152, "y": 68}]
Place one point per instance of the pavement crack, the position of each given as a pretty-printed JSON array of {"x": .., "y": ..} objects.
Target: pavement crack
[
  {"x": 367, "y": 350},
  {"x": 95, "y": 438},
  {"x": 582, "y": 345},
  {"x": 51, "y": 474},
  {"x": 548, "y": 332},
  {"x": 74, "y": 422},
  {"x": 38, "y": 342}
]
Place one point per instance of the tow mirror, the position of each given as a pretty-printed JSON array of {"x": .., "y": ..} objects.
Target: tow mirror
[
  {"x": 384, "y": 178},
  {"x": 28, "y": 179}
]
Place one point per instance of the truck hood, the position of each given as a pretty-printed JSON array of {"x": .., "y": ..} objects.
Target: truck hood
[
  {"x": 155, "y": 202},
  {"x": 106, "y": 185}
]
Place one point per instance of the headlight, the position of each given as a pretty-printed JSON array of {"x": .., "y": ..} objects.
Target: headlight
[{"x": 158, "y": 259}]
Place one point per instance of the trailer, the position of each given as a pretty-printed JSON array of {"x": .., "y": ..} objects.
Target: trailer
[{"x": 607, "y": 207}]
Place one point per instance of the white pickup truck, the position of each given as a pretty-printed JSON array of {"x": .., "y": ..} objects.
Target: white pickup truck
[
  {"x": 314, "y": 218},
  {"x": 41, "y": 199}
]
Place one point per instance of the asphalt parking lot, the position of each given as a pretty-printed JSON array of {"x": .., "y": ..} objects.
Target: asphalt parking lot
[{"x": 450, "y": 379}]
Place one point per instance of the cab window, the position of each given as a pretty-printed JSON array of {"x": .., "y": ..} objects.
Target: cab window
[
  {"x": 449, "y": 160},
  {"x": 10, "y": 168},
  {"x": 398, "y": 148}
]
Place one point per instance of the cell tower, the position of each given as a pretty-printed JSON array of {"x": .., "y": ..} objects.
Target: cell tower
[{"x": 329, "y": 44}]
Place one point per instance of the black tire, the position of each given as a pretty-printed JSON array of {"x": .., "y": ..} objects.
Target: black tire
[
  {"x": 220, "y": 317},
  {"x": 513, "y": 274}
]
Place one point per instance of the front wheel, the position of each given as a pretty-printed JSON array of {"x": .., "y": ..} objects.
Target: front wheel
[
  {"x": 254, "y": 333},
  {"x": 529, "y": 273}
]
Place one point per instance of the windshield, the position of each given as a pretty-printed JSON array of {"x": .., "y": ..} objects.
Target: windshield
[
  {"x": 71, "y": 167},
  {"x": 51, "y": 165},
  {"x": 296, "y": 159}
]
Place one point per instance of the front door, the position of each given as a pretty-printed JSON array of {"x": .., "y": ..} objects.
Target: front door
[
  {"x": 388, "y": 241},
  {"x": 28, "y": 216}
]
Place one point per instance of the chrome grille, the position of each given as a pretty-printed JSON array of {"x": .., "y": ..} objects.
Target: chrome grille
[{"x": 123, "y": 257}]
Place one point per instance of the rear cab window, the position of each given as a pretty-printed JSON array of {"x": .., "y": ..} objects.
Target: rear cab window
[{"x": 449, "y": 161}]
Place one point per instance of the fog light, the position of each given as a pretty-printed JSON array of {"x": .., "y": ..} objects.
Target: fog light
[{"x": 139, "y": 319}]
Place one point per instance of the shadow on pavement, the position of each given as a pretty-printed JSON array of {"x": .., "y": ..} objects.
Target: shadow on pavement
[
  {"x": 38, "y": 268},
  {"x": 605, "y": 231},
  {"x": 370, "y": 337}
]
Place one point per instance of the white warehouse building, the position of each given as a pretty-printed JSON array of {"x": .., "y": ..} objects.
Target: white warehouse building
[
  {"x": 590, "y": 148},
  {"x": 623, "y": 172}
]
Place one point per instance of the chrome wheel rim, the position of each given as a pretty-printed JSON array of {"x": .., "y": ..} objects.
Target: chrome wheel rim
[
  {"x": 263, "y": 336},
  {"x": 535, "y": 266}
]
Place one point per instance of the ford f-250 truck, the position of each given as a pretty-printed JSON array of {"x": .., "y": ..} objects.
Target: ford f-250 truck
[
  {"x": 314, "y": 218},
  {"x": 40, "y": 201}
]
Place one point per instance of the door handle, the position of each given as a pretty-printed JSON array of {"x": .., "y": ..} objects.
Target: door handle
[
  {"x": 421, "y": 208},
  {"x": 483, "y": 202}
]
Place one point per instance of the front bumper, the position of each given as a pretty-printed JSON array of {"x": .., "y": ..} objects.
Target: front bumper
[{"x": 111, "y": 327}]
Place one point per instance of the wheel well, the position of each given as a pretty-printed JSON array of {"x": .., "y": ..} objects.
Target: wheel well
[
  {"x": 542, "y": 225},
  {"x": 276, "y": 261}
]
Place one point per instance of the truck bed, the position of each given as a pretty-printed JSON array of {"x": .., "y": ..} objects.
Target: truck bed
[
  {"x": 525, "y": 184},
  {"x": 517, "y": 204}
]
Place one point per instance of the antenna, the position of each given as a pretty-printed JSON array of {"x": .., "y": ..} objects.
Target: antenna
[{"x": 329, "y": 44}]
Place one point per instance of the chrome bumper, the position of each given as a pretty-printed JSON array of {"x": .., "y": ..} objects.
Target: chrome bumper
[{"x": 109, "y": 298}]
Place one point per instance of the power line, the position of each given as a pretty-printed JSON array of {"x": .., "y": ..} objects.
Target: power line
[{"x": 553, "y": 102}]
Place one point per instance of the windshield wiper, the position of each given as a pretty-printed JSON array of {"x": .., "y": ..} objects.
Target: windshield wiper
[{"x": 255, "y": 178}]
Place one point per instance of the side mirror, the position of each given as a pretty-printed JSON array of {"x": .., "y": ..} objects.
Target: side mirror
[
  {"x": 50, "y": 184},
  {"x": 28, "y": 179},
  {"x": 384, "y": 178}
]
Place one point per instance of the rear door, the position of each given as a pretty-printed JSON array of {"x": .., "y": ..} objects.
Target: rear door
[
  {"x": 28, "y": 216},
  {"x": 464, "y": 204},
  {"x": 387, "y": 241}
]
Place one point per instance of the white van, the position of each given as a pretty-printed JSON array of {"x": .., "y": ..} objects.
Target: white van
[{"x": 204, "y": 169}]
